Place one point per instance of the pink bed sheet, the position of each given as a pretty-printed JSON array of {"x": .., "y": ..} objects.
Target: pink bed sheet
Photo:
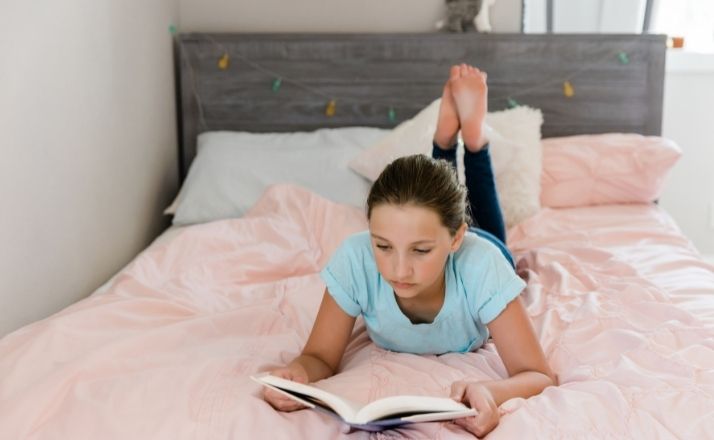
[{"x": 622, "y": 304}]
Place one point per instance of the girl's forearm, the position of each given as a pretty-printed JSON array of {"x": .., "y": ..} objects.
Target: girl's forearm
[
  {"x": 524, "y": 384},
  {"x": 314, "y": 367}
]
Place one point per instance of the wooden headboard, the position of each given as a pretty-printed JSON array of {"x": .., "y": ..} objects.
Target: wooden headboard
[{"x": 370, "y": 73}]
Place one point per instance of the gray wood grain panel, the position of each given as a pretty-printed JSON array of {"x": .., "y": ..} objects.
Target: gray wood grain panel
[{"x": 369, "y": 73}]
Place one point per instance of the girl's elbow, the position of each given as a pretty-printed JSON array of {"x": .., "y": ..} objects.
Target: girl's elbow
[
  {"x": 547, "y": 376},
  {"x": 552, "y": 378}
]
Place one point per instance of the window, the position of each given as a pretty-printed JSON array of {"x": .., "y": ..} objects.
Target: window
[{"x": 691, "y": 19}]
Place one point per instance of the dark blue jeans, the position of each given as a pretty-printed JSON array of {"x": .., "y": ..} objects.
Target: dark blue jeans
[{"x": 486, "y": 216}]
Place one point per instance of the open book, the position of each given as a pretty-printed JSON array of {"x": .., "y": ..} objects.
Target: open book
[{"x": 375, "y": 416}]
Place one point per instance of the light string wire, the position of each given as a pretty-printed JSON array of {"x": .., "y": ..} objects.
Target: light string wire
[
  {"x": 621, "y": 53},
  {"x": 570, "y": 76}
]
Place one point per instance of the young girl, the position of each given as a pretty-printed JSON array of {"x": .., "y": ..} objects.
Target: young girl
[{"x": 424, "y": 281}]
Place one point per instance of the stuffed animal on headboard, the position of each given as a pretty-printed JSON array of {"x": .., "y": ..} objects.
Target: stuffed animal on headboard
[{"x": 467, "y": 15}]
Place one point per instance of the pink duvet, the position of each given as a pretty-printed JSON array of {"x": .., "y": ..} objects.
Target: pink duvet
[{"x": 623, "y": 306}]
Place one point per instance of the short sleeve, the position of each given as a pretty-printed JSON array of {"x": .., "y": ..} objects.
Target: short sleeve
[
  {"x": 499, "y": 286},
  {"x": 343, "y": 279}
]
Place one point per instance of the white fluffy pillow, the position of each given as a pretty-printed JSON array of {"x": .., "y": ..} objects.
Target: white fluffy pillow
[
  {"x": 516, "y": 154},
  {"x": 232, "y": 169},
  {"x": 516, "y": 137}
]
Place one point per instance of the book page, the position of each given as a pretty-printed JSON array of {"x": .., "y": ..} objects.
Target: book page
[
  {"x": 343, "y": 407},
  {"x": 404, "y": 406}
]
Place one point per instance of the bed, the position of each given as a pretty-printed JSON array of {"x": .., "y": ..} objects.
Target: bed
[{"x": 621, "y": 300}]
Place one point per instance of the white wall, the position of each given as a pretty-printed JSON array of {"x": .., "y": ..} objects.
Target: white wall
[
  {"x": 87, "y": 145},
  {"x": 330, "y": 15},
  {"x": 688, "y": 98}
]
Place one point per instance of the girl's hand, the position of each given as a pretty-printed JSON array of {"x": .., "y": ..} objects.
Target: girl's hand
[
  {"x": 280, "y": 401},
  {"x": 477, "y": 396}
]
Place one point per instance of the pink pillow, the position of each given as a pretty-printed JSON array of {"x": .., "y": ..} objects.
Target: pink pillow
[{"x": 605, "y": 169}]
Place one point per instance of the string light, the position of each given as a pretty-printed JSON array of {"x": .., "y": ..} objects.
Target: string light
[
  {"x": 224, "y": 61},
  {"x": 550, "y": 82},
  {"x": 392, "y": 115},
  {"x": 331, "y": 108},
  {"x": 172, "y": 29},
  {"x": 568, "y": 89}
]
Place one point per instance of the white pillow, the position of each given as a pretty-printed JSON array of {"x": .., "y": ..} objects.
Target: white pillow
[
  {"x": 232, "y": 169},
  {"x": 515, "y": 148},
  {"x": 516, "y": 136},
  {"x": 412, "y": 136}
]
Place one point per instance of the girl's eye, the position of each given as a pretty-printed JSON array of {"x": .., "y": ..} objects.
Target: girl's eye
[{"x": 419, "y": 251}]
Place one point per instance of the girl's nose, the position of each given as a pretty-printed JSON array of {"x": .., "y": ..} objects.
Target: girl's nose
[{"x": 403, "y": 269}]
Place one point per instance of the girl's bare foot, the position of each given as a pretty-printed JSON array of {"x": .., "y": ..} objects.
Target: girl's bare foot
[
  {"x": 471, "y": 98},
  {"x": 447, "y": 126}
]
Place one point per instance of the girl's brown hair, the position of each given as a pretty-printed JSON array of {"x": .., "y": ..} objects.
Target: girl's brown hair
[{"x": 422, "y": 181}]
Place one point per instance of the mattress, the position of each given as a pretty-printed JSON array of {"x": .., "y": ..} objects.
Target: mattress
[{"x": 621, "y": 302}]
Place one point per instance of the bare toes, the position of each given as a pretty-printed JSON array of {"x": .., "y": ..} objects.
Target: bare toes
[{"x": 464, "y": 70}]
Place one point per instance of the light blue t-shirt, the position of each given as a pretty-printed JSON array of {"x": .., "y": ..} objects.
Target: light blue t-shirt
[{"x": 479, "y": 285}]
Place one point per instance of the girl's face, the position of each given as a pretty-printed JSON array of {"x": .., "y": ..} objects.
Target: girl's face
[{"x": 411, "y": 246}]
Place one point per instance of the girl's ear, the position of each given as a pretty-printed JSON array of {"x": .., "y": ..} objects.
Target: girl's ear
[{"x": 458, "y": 237}]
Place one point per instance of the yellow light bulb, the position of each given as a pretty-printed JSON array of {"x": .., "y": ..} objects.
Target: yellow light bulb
[
  {"x": 568, "y": 89},
  {"x": 331, "y": 108},
  {"x": 224, "y": 61}
]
